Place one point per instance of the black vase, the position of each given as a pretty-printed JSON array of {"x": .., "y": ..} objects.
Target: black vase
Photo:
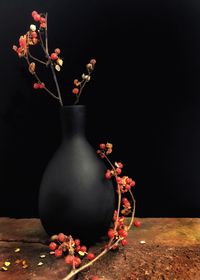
[{"x": 74, "y": 196}]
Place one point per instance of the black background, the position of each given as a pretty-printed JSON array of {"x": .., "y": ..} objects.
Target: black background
[{"x": 144, "y": 97}]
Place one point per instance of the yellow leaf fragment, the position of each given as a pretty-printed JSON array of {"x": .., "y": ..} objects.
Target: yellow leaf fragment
[
  {"x": 7, "y": 263},
  {"x": 32, "y": 68},
  {"x": 17, "y": 250},
  {"x": 57, "y": 67},
  {"x": 59, "y": 61},
  {"x": 81, "y": 253},
  {"x": 4, "y": 268},
  {"x": 25, "y": 266}
]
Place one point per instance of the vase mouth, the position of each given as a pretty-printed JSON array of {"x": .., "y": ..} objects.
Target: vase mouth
[{"x": 74, "y": 106}]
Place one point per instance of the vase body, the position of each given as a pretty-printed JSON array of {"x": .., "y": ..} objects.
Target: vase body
[{"x": 74, "y": 196}]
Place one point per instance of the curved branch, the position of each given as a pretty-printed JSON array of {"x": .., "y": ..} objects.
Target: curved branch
[{"x": 73, "y": 272}]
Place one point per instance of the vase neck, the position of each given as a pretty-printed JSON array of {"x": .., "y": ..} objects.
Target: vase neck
[{"x": 73, "y": 120}]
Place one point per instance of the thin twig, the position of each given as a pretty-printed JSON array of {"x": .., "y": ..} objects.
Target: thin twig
[
  {"x": 39, "y": 81},
  {"x": 36, "y": 59},
  {"x": 46, "y": 35},
  {"x": 42, "y": 44},
  {"x": 56, "y": 83}
]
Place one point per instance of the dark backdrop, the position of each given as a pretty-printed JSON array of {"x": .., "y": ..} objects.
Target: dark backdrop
[{"x": 144, "y": 97}]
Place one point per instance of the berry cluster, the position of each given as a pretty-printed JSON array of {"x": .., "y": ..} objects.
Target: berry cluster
[
  {"x": 105, "y": 149},
  {"x": 38, "y": 85},
  {"x": 119, "y": 232},
  {"x": 73, "y": 251},
  {"x": 125, "y": 183},
  {"x": 56, "y": 59},
  {"x": 39, "y": 18},
  {"x": 79, "y": 85}
]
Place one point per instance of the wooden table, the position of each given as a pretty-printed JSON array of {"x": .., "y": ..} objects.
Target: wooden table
[{"x": 171, "y": 251}]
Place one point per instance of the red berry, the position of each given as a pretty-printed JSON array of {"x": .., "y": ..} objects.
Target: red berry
[
  {"x": 127, "y": 187},
  {"x": 36, "y": 17},
  {"x": 77, "y": 261},
  {"x": 52, "y": 246},
  {"x": 124, "y": 242},
  {"x": 132, "y": 184},
  {"x": 118, "y": 171},
  {"x": 34, "y": 41},
  {"x": 123, "y": 233},
  {"x": 77, "y": 242},
  {"x": 34, "y": 34},
  {"x": 111, "y": 233},
  {"x": 36, "y": 85},
  {"x": 75, "y": 90},
  {"x": 137, "y": 223},
  {"x": 108, "y": 175},
  {"x": 102, "y": 146},
  {"x": 57, "y": 50},
  {"x": 83, "y": 249},
  {"x": 120, "y": 165},
  {"x": 124, "y": 200},
  {"x": 42, "y": 20},
  {"x": 78, "y": 248},
  {"x": 41, "y": 85},
  {"x": 128, "y": 180},
  {"x": 118, "y": 180},
  {"x": 54, "y": 56},
  {"x": 94, "y": 278},
  {"x": 58, "y": 253},
  {"x": 34, "y": 13},
  {"x": 61, "y": 237},
  {"x": 43, "y": 25},
  {"x": 90, "y": 256},
  {"x": 76, "y": 82},
  {"x": 69, "y": 259},
  {"x": 102, "y": 155}
]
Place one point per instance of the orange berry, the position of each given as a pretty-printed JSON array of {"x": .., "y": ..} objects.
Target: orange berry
[{"x": 75, "y": 90}]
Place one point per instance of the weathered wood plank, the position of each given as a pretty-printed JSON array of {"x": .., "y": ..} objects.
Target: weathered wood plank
[{"x": 171, "y": 251}]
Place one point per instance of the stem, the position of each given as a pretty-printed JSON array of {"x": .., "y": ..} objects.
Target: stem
[
  {"x": 56, "y": 83},
  {"x": 133, "y": 211},
  {"x": 38, "y": 79},
  {"x": 78, "y": 95},
  {"x": 46, "y": 51},
  {"x": 81, "y": 88},
  {"x": 42, "y": 44},
  {"x": 36, "y": 59},
  {"x": 46, "y": 36}
]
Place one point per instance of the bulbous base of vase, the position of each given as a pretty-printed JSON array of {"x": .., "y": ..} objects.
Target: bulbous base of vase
[{"x": 75, "y": 198}]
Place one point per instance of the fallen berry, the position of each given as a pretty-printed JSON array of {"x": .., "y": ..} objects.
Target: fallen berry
[{"x": 137, "y": 223}]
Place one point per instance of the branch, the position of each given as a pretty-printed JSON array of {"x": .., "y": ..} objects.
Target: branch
[
  {"x": 110, "y": 245},
  {"x": 56, "y": 83},
  {"x": 36, "y": 59},
  {"x": 38, "y": 79}
]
